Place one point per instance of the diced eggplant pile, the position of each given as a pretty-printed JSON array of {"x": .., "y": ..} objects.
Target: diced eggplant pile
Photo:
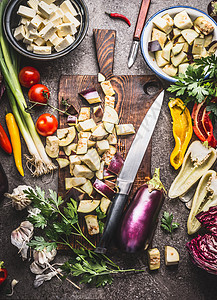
[
  {"x": 88, "y": 148},
  {"x": 177, "y": 42},
  {"x": 45, "y": 27}
]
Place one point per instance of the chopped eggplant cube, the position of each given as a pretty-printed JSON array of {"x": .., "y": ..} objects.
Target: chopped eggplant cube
[
  {"x": 158, "y": 35},
  {"x": 162, "y": 24},
  {"x": 154, "y": 46},
  {"x": 154, "y": 259},
  {"x": 212, "y": 47}
]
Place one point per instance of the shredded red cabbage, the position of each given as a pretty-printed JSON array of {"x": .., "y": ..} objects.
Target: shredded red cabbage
[
  {"x": 208, "y": 219},
  {"x": 203, "y": 249}
]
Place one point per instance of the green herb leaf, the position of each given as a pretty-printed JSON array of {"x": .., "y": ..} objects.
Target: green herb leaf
[
  {"x": 38, "y": 221},
  {"x": 100, "y": 215},
  {"x": 58, "y": 225},
  {"x": 198, "y": 84},
  {"x": 39, "y": 244},
  {"x": 54, "y": 199},
  {"x": 101, "y": 226},
  {"x": 167, "y": 224},
  {"x": 88, "y": 266},
  {"x": 71, "y": 212}
]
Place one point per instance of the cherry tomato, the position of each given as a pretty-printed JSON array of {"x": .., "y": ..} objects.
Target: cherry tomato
[
  {"x": 46, "y": 124},
  {"x": 29, "y": 76},
  {"x": 3, "y": 273},
  {"x": 39, "y": 93}
]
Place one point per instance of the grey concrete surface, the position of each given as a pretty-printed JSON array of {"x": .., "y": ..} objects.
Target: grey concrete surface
[{"x": 184, "y": 282}]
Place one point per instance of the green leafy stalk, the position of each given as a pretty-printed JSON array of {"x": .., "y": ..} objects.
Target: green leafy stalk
[
  {"x": 167, "y": 222},
  {"x": 58, "y": 225}
]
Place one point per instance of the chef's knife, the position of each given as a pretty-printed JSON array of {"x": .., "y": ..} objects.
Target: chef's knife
[
  {"x": 128, "y": 173},
  {"x": 138, "y": 31}
]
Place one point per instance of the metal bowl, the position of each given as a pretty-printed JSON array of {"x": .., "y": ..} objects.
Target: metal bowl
[
  {"x": 11, "y": 20},
  {"x": 147, "y": 30}
]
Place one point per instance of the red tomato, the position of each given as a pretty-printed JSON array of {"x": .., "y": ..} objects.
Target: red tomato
[
  {"x": 46, "y": 124},
  {"x": 29, "y": 76},
  {"x": 39, "y": 93}
]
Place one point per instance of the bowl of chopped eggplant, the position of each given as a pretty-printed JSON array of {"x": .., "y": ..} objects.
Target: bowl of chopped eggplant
[
  {"x": 173, "y": 38},
  {"x": 46, "y": 29}
]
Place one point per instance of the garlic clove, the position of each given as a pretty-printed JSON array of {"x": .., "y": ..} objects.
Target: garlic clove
[
  {"x": 40, "y": 279},
  {"x": 40, "y": 258},
  {"x": 14, "y": 282},
  {"x": 16, "y": 239},
  {"x": 36, "y": 269},
  {"x": 21, "y": 236},
  {"x": 50, "y": 255}
]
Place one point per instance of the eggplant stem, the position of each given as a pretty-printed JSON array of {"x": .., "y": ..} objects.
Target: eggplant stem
[{"x": 154, "y": 183}]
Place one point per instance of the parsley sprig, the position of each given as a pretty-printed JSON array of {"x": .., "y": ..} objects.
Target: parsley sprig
[
  {"x": 58, "y": 224},
  {"x": 92, "y": 269},
  {"x": 198, "y": 84},
  {"x": 167, "y": 222}
]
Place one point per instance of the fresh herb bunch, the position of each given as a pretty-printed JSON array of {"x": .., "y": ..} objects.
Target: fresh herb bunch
[
  {"x": 167, "y": 222},
  {"x": 198, "y": 84},
  {"x": 58, "y": 224}
]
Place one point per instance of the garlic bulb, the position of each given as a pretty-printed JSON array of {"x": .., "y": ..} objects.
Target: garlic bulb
[
  {"x": 42, "y": 258},
  {"x": 21, "y": 236},
  {"x": 19, "y": 199}
]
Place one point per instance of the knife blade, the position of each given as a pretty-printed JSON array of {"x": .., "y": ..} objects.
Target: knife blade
[
  {"x": 138, "y": 31},
  {"x": 128, "y": 173}
]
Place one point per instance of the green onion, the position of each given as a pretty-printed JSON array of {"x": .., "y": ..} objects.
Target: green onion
[
  {"x": 34, "y": 163},
  {"x": 8, "y": 64}
]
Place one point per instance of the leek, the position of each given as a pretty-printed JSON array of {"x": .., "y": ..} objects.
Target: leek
[{"x": 8, "y": 62}]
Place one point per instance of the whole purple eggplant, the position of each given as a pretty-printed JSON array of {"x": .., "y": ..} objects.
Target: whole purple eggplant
[{"x": 139, "y": 221}]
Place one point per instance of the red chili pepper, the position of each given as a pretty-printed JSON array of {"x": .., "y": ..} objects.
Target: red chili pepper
[
  {"x": 119, "y": 16},
  {"x": 202, "y": 124},
  {"x": 5, "y": 144},
  {"x": 3, "y": 273}
]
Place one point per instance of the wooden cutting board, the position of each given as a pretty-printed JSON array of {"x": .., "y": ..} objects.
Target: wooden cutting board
[{"x": 132, "y": 101}]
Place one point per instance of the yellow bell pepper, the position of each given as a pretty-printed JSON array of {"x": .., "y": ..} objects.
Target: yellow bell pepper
[
  {"x": 15, "y": 141},
  {"x": 182, "y": 130}
]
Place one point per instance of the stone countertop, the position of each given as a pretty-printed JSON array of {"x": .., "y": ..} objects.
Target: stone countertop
[{"x": 184, "y": 282}]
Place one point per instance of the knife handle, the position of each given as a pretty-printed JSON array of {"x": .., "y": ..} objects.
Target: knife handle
[
  {"x": 141, "y": 19},
  {"x": 112, "y": 222},
  {"x": 105, "y": 47}
]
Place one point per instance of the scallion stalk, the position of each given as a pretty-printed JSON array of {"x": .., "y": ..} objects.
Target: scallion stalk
[
  {"x": 34, "y": 163},
  {"x": 8, "y": 65}
]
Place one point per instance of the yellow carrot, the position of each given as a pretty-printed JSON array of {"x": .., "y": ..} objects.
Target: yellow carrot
[{"x": 15, "y": 141}]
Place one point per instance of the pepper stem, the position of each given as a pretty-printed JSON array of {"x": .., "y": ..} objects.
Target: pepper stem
[
  {"x": 206, "y": 144},
  {"x": 1, "y": 264},
  {"x": 154, "y": 183}
]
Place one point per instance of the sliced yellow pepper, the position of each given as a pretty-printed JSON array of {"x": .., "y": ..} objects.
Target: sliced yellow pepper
[{"x": 182, "y": 130}]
